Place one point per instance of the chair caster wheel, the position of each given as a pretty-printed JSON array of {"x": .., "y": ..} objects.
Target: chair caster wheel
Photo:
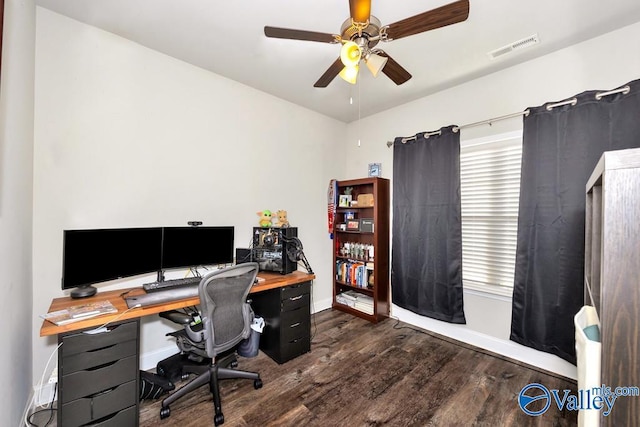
[
  {"x": 218, "y": 419},
  {"x": 257, "y": 384},
  {"x": 165, "y": 412}
]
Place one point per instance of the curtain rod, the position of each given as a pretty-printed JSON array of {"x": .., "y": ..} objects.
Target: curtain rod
[
  {"x": 457, "y": 128},
  {"x": 573, "y": 101}
]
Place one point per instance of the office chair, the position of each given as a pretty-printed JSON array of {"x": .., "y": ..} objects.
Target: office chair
[{"x": 226, "y": 320}]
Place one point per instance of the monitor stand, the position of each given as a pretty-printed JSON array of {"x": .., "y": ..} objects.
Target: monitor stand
[{"x": 83, "y": 292}]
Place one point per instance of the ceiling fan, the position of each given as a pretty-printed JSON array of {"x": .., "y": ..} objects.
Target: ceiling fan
[{"x": 360, "y": 35}]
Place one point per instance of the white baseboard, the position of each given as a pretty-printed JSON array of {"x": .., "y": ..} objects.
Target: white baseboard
[
  {"x": 320, "y": 305},
  {"x": 506, "y": 348},
  {"x": 150, "y": 359}
]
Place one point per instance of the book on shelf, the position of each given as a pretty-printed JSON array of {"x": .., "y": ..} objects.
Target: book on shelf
[
  {"x": 357, "y": 301},
  {"x": 354, "y": 273},
  {"x": 79, "y": 312},
  {"x": 345, "y": 301}
]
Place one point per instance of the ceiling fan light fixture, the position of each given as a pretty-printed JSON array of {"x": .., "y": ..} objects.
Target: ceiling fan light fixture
[
  {"x": 375, "y": 63},
  {"x": 350, "y": 74},
  {"x": 361, "y": 32},
  {"x": 350, "y": 54},
  {"x": 360, "y": 10}
]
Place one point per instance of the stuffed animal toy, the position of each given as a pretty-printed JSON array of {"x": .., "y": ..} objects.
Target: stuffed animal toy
[
  {"x": 281, "y": 219},
  {"x": 265, "y": 218}
]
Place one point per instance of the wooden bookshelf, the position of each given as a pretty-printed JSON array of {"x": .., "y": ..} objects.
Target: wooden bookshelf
[
  {"x": 612, "y": 259},
  {"x": 359, "y": 254}
]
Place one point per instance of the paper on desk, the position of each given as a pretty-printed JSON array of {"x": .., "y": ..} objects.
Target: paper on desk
[{"x": 79, "y": 312}]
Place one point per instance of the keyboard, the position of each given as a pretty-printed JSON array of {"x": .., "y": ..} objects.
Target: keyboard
[
  {"x": 171, "y": 284},
  {"x": 164, "y": 296}
]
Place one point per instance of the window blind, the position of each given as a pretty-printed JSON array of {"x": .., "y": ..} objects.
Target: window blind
[{"x": 490, "y": 188}]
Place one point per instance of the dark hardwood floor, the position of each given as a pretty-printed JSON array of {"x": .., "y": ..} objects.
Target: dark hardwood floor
[{"x": 362, "y": 374}]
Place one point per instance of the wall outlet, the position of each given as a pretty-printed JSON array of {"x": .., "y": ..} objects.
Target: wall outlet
[
  {"x": 44, "y": 395},
  {"x": 54, "y": 376}
]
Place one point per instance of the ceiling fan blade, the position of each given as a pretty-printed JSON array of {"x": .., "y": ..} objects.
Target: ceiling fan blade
[
  {"x": 393, "y": 70},
  {"x": 360, "y": 10},
  {"x": 330, "y": 74},
  {"x": 312, "y": 36},
  {"x": 441, "y": 17}
]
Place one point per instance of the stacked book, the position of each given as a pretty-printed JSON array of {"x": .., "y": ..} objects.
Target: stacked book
[{"x": 357, "y": 301}]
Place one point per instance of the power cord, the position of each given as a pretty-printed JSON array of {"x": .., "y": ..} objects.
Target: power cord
[
  {"x": 51, "y": 409},
  {"x": 313, "y": 318},
  {"x": 102, "y": 328},
  {"x": 27, "y": 419}
]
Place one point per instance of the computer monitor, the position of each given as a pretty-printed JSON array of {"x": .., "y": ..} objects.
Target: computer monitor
[
  {"x": 93, "y": 256},
  {"x": 184, "y": 247}
]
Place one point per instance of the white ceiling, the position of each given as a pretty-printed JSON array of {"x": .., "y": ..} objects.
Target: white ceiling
[{"x": 228, "y": 39}]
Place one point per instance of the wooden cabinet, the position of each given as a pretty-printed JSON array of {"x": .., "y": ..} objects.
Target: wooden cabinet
[
  {"x": 287, "y": 316},
  {"x": 361, "y": 248},
  {"x": 612, "y": 264},
  {"x": 99, "y": 376}
]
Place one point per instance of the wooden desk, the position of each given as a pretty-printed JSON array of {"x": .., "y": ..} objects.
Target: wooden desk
[
  {"x": 99, "y": 373},
  {"x": 272, "y": 281}
]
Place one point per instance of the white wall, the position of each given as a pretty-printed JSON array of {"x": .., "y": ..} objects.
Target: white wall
[
  {"x": 110, "y": 114},
  {"x": 16, "y": 151},
  {"x": 126, "y": 136},
  {"x": 605, "y": 62}
]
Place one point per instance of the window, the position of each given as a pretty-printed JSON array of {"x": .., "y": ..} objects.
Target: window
[{"x": 490, "y": 188}]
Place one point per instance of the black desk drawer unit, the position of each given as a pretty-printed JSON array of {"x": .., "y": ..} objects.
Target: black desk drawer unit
[
  {"x": 287, "y": 315},
  {"x": 99, "y": 377}
]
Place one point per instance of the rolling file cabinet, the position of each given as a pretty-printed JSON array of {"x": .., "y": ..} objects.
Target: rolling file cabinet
[
  {"x": 99, "y": 377},
  {"x": 99, "y": 374},
  {"x": 287, "y": 315}
]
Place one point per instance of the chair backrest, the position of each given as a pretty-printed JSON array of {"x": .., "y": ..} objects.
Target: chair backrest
[{"x": 226, "y": 315}]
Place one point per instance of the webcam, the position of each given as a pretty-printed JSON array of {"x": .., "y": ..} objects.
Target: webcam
[{"x": 194, "y": 223}]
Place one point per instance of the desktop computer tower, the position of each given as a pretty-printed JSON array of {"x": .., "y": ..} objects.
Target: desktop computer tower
[{"x": 270, "y": 249}]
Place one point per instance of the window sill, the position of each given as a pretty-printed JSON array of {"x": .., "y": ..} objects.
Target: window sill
[{"x": 503, "y": 293}]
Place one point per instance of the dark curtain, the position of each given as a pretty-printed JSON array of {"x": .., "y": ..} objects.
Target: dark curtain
[
  {"x": 426, "y": 266},
  {"x": 561, "y": 147}
]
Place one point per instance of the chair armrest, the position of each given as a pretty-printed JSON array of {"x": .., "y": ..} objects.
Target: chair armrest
[{"x": 177, "y": 317}]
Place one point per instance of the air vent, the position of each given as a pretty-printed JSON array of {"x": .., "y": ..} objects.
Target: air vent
[{"x": 520, "y": 44}]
